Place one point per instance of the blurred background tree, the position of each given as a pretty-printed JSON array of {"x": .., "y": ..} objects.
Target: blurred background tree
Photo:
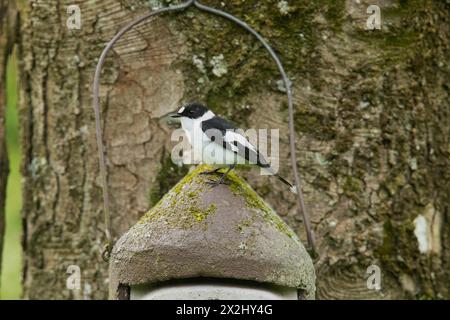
[
  {"x": 11, "y": 270},
  {"x": 372, "y": 119},
  {"x": 10, "y": 266}
]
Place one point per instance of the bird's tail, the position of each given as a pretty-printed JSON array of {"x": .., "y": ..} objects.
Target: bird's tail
[{"x": 292, "y": 188}]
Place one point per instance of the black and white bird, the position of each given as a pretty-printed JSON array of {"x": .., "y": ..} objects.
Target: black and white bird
[{"x": 217, "y": 142}]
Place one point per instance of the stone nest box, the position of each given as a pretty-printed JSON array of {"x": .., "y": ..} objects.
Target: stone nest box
[{"x": 203, "y": 242}]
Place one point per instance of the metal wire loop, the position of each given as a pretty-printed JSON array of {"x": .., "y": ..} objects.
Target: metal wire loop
[{"x": 287, "y": 83}]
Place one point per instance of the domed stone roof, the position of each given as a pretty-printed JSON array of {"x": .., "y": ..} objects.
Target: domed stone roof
[{"x": 226, "y": 231}]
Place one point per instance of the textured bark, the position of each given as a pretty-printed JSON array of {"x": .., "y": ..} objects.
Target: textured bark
[
  {"x": 7, "y": 38},
  {"x": 63, "y": 220},
  {"x": 372, "y": 118}
]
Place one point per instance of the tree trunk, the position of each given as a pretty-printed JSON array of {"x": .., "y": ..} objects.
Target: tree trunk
[
  {"x": 7, "y": 38},
  {"x": 372, "y": 120}
]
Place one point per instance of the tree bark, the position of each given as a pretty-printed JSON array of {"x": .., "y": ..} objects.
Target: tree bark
[
  {"x": 7, "y": 39},
  {"x": 372, "y": 120}
]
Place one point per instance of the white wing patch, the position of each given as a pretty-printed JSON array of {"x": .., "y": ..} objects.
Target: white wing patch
[
  {"x": 231, "y": 136},
  {"x": 234, "y": 148},
  {"x": 208, "y": 115}
]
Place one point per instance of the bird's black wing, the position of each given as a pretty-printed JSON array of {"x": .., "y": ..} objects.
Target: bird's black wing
[
  {"x": 222, "y": 132},
  {"x": 217, "y": 123}
]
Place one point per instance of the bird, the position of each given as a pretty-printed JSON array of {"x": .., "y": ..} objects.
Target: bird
[{"x": 219, "y": 144}]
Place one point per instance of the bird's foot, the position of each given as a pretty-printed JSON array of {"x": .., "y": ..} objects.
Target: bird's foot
[
  {"x": 214, "y": 183},
  {"x": 215, "y": 171}
]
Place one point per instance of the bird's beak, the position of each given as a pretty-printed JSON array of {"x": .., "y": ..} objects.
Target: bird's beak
[{"x": 175, "y": 115}]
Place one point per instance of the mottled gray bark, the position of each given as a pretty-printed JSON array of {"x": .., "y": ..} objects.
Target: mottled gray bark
[
  {"x": 63, "y": 220},
  {"x": 372, "y": 119},
  {"x": 7, "y": 38}
]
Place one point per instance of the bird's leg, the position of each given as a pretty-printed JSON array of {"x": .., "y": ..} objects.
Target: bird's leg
[
  {"x": 222, "y": 178},
  {"x": 211, "y": 171}
]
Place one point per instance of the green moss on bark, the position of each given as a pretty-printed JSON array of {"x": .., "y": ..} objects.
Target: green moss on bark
[
  {"x": 168, "y": 175},
  {"x": 293, "y": 35}
]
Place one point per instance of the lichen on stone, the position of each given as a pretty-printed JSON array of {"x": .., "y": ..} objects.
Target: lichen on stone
[
  {"x": 181, "y": 206},
  {"x": 182, "y": 209},
  {"x": 253, "y": 200}
]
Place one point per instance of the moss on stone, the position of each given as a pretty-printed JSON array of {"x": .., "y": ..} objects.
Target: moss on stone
[
  {"x": 191, "y": 176},
  {"x": 239, "y": 187},
  {"x": 182, "y": 209},
  {"x": 201, "y": 214},
  {"x": 253, "y": 200}
]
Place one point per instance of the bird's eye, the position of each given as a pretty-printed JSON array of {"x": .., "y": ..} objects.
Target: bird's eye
[{"x": 191, "y": 111}]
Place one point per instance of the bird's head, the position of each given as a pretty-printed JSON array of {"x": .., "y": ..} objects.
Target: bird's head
[{"x": 191, "y": 110}]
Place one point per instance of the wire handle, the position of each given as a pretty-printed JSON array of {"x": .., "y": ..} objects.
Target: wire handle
[{"x": 98, "y": 130}]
